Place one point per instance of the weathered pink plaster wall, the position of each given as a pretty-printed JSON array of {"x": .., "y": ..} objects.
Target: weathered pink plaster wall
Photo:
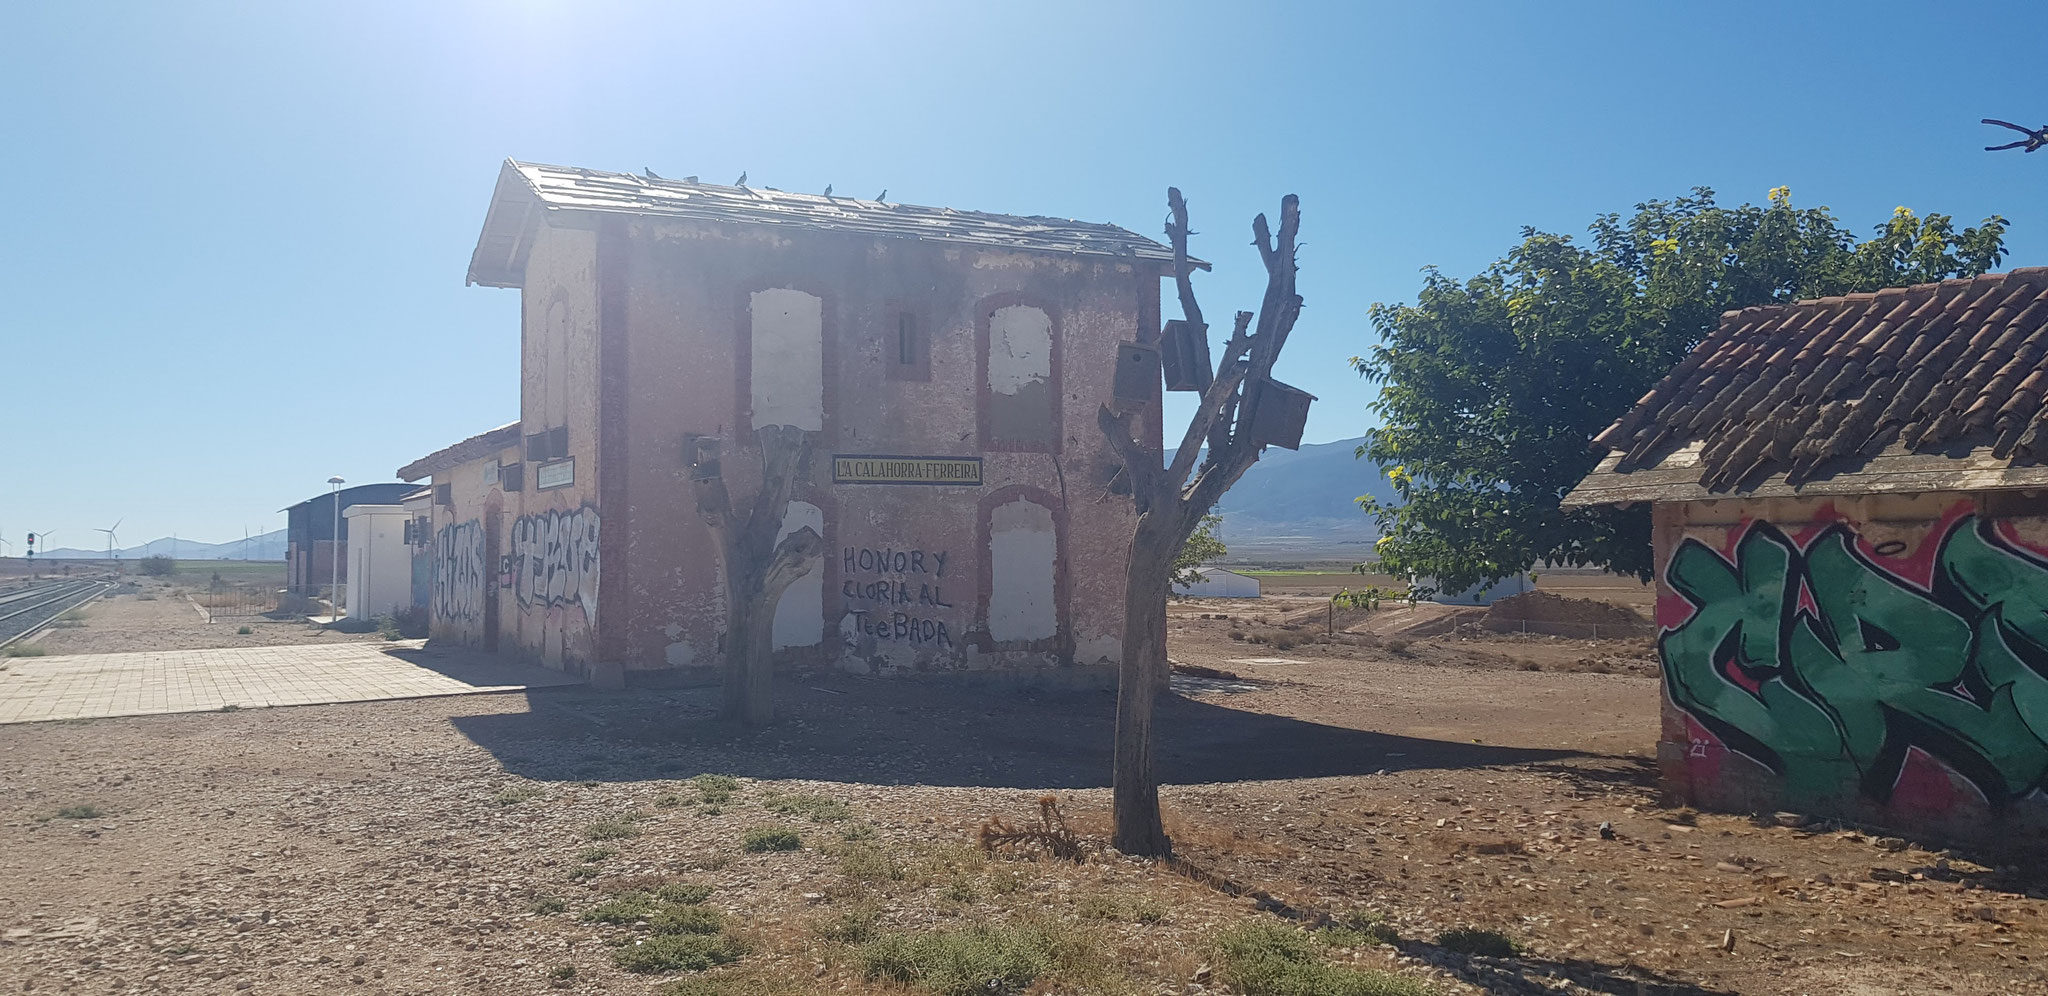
[{"x": 686, "y": 367}]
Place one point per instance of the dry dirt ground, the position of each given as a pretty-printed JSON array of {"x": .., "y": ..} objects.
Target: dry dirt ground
[
  {"x": 158, "y": 614},
  {"x": 459, "y": 845}
]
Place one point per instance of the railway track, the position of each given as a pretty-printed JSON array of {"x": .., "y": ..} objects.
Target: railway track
[{"x": 25, "y": 609}]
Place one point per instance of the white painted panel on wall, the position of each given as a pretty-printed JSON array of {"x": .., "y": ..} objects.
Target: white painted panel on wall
[
  {"x": 800, "y": 616},
  {"x": 788, "y": 359},
  {"x": 1019, "y": 348},
  {"x": 1022, "y": 547}
]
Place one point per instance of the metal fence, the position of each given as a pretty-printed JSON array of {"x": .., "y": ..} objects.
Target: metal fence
[{"x": 231, "y": 600}]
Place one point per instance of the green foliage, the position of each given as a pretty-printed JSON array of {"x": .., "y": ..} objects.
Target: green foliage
[
  {"x": 615, "y": 828},
  {"x": 1492, "y": 387},
  {"x": 1268, "y": 959},
  {"x": 545, "y": 905},
  {"x": 1469, "y": 940},
  {"x": 243, "y": 631},
  {"x": 1203, "y": 546},
  {"x": 157, "y": 566},
  {"x": 821, "y": 809},
  {"x": 852, "y": 926},
  {"x": 1119, "y": 909},
  {"x": 679, "y": 952},
  {"x": 1359, "y": 928},
  {"x": 979, "y": 959},
  {"x": 624, "y": 908},
  {"x": 716, "y": 790},
  {"x": 771, "y": 839},
  {"x": 80, "y": 813},
  {"x": 684, "y": 893}
]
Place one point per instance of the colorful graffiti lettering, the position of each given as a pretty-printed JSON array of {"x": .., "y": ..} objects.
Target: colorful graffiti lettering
[
  {"x": 1829, "y": 667},
  {"x": 555, "y": 559},
  {"x": 459, "y": 571}
]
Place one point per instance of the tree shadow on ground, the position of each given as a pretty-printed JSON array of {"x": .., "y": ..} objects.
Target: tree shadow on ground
[{"x": 962, "y": 733}]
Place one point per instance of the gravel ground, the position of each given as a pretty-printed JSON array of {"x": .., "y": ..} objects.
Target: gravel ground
[
  {"x": 157, "y": 615},
  {"x": 376, "y": 847}
]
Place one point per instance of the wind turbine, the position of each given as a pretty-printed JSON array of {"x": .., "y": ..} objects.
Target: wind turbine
[{"x": 110, "y": 537}]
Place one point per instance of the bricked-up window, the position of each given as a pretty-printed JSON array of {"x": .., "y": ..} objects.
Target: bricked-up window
[
  {"x": 1020, "y": 379},
  {"x": 907, "y": 348}
]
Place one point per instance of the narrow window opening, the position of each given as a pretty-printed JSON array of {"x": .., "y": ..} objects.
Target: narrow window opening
[{"x": 912, "y": 357}]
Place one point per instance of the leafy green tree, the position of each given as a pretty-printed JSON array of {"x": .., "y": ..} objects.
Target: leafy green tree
[
  {"x": 1203, "y": 546},
  {"x": 1492, "y": 387},
  {"x": 159, "y": 566}
]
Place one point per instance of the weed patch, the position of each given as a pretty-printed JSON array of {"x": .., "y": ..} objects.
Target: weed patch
[
  {"x": 817, "y": 808},
  {"x": 79, "y": 813},
  {"x": 517, "y": 794},
  {"x": 771, "y": 839},
  {"x": 243, "y": 631},
  {"x": 683, "y": 893},
  {"x": 593, "y": 855},
  {"x": 1119, "y": 909},
  {"x": 1266, "y": 959},
  {"x": 614, "y": 828},
  {"x": 1473, "y": 941},
  {"x": 668, "y": 800},
  {"x": 985, "y": 958},
  {"x": 853, "y": 926},
  {"x": 23, "y": 650},
  {"x": 869, "y": 864},
  {"x": 581, "y": 872},
  {"x": 545, "y": 905},
  {"x": 679, "y": 952},
  {"x": 715, "y": 790},
  {"x": 731, "y": 982},
  {"x": 623, "y": 909},
  {"x": 1358, "y": 929}
]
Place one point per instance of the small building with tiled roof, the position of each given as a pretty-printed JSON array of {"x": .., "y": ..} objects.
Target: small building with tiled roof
[
  {"x": 1849, "y": 499},
  {"x": 948, "y": 365}
]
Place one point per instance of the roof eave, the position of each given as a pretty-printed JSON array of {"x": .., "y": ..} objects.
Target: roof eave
[{"x": 502, "y": 245}]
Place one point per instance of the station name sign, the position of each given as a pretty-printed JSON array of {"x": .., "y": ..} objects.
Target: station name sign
[{"x": 871, "y": 469}]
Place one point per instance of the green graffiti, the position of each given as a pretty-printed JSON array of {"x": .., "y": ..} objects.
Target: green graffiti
[{"x": 1825, "y": 667}]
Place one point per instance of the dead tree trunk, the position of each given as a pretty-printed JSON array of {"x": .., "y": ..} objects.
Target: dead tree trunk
[
  {"x": 758, "y": 568},
  {"x": 1172, "y": 499}
]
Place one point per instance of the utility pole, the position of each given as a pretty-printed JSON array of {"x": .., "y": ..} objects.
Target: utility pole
[{"x": 334, "y": 552}]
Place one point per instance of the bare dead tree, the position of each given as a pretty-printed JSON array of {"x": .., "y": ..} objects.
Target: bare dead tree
[
  {"x": 1172, "y": 498},
  {"x": 758, "y": 567}
]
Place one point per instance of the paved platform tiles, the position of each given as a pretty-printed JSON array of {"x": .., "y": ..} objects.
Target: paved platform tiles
[{"x": 92, "y": 686}]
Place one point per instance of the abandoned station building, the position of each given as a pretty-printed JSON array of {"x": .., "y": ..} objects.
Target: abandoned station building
[
  {"x": 949, "y": 363},
  {"x": 1851, "y": 555}
]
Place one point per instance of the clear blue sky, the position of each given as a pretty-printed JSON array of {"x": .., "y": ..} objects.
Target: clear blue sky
[{"x": 233, "y": 259}]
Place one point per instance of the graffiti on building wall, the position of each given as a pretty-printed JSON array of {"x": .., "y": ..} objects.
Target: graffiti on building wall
[
  {"x": 459, "y": 572},
  {"x": 554, "y": 559},
  {"x": 897, "y": 594},
  {"x": 1834, "y": 662}
]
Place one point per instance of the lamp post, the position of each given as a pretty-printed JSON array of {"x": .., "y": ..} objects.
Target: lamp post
[{"x": 334, "y": 552}]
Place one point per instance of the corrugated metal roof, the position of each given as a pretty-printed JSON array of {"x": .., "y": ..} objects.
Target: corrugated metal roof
[
  {"x": 482, "y": 444},
  {"x": 527, "y": 191},
  {"x": 1863, "y": 387}
]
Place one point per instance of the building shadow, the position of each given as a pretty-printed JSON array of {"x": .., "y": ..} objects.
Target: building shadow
[
  {"x": 936, "y": 732},
  {"x": 475, "y": 668}
]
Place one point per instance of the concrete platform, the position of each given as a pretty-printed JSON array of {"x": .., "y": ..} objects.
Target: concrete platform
[{"x": 92, "y": 686}]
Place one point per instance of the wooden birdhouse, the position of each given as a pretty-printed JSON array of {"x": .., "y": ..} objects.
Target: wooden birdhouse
[
  {"x": 1276, "y": 413},
  {"x": 1184, "y": 355},
  {"x": 1137, "y": 374}
]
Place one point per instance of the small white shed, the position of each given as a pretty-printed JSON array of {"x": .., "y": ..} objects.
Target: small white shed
[
  {"x": 379, "y": 562},
  {"x": 1507, "y": 587},
  {"x": 1219, "y": 583}
]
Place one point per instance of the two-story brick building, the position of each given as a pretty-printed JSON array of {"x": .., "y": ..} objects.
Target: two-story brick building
[{"x": 950, "y": 364}]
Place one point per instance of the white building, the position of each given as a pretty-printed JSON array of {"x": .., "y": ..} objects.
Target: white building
[
  {"x": 1507, "y": 587},
  {"x": 379, "y": 562},
  {"x": 1219, "y": 583}
]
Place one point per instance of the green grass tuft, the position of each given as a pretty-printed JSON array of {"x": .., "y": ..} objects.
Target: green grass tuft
[
  {"x": 1471, "y": 940},
  {"x": 80, "y": 813},
  {"x": 1358, "y": 929},
  {"x": 1268, "y": 959},
  {"x": 852, "y": 926},
  {"x": 975, "y": 960},
  {"x": 613, "y": 828},
  {"x": 771, "y": 839},
  {"x": 517, "y": 794},
  {"x": 1119, "y": 909},
  {"x": 679, "y": 952},
  {"x": 818, "y": 808},
  {"x": 545, "y": 905},
  {"x": 685, "y": 893},
  {"x": 715, "y": 790}
]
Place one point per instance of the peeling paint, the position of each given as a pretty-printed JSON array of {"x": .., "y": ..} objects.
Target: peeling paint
[
  {"x": 800, "y": 615},
  {"x": 788, "y": 359},
  {"x": 1022, "y": 548}
]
